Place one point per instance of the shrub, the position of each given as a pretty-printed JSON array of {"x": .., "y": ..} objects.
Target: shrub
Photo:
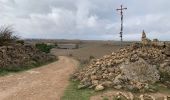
[
  {"x": 6, "y": 36},
  {"x": 141, "y": 71},
  {"x": 20, "y": 42},
  {"x": 105, "y": 98},
  {"x": 84, "y": 61},
  {"x": 44, "y": 47},
  {"x": 70, "y": 55},
  {"x": 91, "y": 57}
]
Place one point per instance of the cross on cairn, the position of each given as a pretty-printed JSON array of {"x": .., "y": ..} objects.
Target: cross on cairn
[{"x": 121, "y": 13}]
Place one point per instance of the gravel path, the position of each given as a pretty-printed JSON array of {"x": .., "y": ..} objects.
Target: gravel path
[{"x": 44, "y": 83}]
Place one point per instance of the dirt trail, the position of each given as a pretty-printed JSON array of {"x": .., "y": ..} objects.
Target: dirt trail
[{"x": 44, "y": 83}]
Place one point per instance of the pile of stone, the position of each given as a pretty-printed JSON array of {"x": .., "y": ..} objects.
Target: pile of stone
[
  {"x": 15, "y": 56},
  {"x": 136, "y": 67}
]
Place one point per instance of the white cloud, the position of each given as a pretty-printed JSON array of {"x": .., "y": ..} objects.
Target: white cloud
[
  {"x": 78, "y": 18},
  {"x": 92, "y": 21}
]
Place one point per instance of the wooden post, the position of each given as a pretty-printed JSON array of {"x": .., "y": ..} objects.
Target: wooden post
[{"x": 121, "y": 29}]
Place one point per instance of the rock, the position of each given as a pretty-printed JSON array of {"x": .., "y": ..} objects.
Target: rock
[
  {"x": 131, "y": 97},
  {"x": 167, "y": 50},
  {"x": 117, "y": 79},
  {"x": 141, "y": 97},
  {"x": 118, "y": 87},
  {"x": 81, "y": 86},
  {"x": 148, "y": 97},
  {"x": 107, "y": 84},
  {"x": 99, "y": 88},
  {"x": 95, "y": 82},
  {"x": 168, "y": 98},
  {"x": 122, "y": 96},
  {"x": 94, "y": 77}
]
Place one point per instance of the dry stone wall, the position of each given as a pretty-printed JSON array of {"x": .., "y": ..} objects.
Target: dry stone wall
[{"x": 22, "y": 55}]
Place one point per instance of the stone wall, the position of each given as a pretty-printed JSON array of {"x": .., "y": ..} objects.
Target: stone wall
[{"x": 22, "y": 55}]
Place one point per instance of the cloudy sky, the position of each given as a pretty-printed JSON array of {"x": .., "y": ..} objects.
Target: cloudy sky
[{"x": 86, "y": 19}]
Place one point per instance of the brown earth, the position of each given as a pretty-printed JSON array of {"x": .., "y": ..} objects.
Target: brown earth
[
  {"x": 87, "y": 49},
  {"x": 45, "y": 83}
]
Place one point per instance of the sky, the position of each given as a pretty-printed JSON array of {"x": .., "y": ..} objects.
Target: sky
[{"x": 86, "y": 19}]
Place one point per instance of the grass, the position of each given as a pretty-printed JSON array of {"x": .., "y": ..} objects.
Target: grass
[
  {"x": 44, "y": 47},
  {"x": 3, "y": 72},
  {"x": 105, "y": 98},
  {"x": 72, "y": 93},
  {"x": 162, "y": 89},
  {"x": 8, "y": 70}
]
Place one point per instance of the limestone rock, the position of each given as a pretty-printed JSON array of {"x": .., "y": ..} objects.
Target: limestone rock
[
  {"x": 118, "y": 87},
  {"x": 146, "y": 97},
  {"x": 99, "y": 88}
]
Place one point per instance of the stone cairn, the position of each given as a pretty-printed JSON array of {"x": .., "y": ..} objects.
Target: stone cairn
[{"x": 135, "y": 67}]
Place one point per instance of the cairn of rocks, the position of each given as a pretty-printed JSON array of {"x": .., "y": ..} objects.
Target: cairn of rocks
[{"x": 135, "y": 67}]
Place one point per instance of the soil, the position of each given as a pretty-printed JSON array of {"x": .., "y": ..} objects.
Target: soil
[
  {"x": 89, "y": 49},
  {"x": 44, "y": 83}
]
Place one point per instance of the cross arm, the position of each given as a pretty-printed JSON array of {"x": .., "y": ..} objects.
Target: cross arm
[{"x": 122, "y": 9}]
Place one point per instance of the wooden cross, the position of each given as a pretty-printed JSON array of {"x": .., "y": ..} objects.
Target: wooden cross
[{"x": 121, "y": 13}]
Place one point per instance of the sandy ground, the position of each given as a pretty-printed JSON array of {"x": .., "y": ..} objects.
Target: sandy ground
[{"x": 44, "y": 83}]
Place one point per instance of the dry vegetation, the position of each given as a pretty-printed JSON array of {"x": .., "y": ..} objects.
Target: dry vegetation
[{"x": 90, "y": 49}]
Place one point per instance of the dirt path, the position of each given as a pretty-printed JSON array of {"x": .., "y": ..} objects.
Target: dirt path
[{"x": 44, "y": 83}]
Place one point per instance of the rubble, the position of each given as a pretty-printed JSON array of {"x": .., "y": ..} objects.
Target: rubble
[
  {"x": 15, "y": 56},
  {"x": 133, "y": 67},
  {"x": 146, "y": 97}
]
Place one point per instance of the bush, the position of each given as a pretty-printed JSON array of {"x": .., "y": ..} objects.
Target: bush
[
  {"x": 141, "y": 71},
  {"x": 44, "y": 47},
  {"x": 20, "y": 42},
  {"x": 91, "y": 57},
  {"x": 70, "y": 55},
  {"x": 6, "y": 36},
  {"x": 105, "y": 98}
]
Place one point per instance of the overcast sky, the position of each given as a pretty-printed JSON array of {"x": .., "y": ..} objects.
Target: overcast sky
[{"x": 86, "y": 19}]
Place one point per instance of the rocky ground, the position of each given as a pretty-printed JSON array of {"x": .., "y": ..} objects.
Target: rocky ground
[
  {"x": 135, "y": 68},
  {"x": 14, "y": 56},
  {"x": 124, "y": 95}
]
